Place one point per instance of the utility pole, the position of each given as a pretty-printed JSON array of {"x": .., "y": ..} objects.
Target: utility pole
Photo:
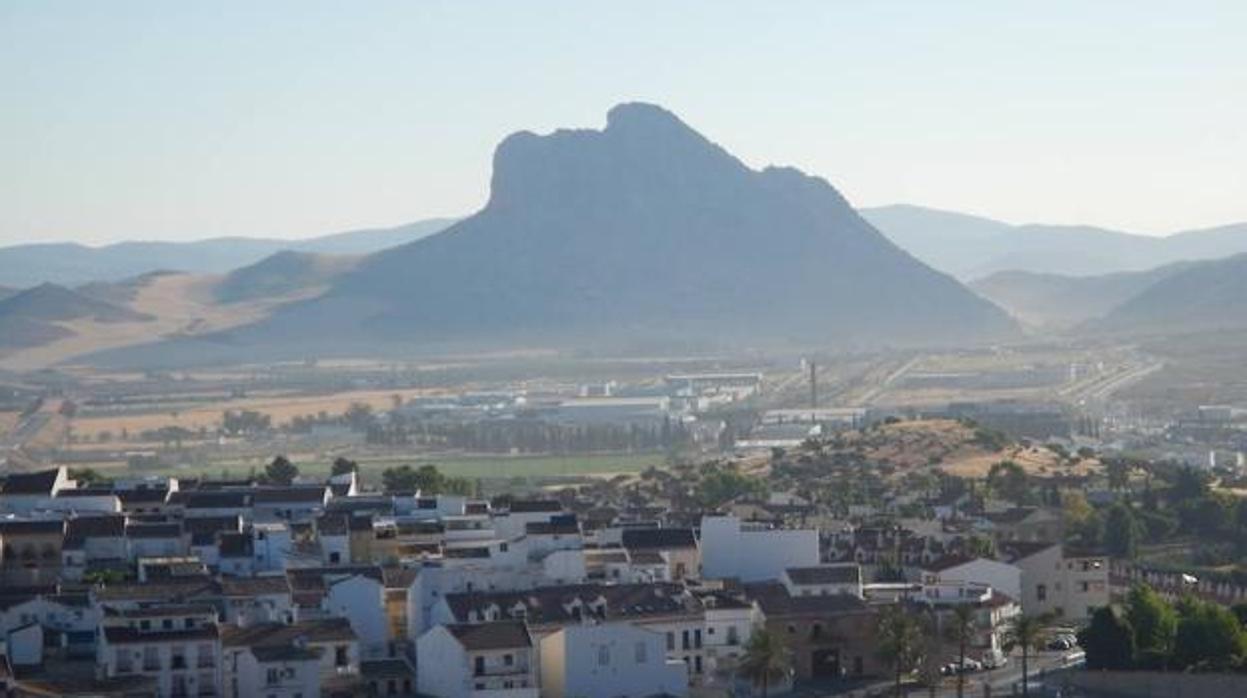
[{"x": 813, "y": 385}]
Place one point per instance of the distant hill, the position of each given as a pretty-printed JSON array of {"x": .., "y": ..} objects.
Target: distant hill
[
  {"x": 73, "y": 264},
  {"x": 972, "y": 247},
  {"x": 282, "y": 274},
  {"x": 31, "y": 317},
  {"x": 1054, "y": 301},
  {"x": 1204, "y": 296},
  {"x": 5, "y": 292},
  {"x": 642, "y": 235}
]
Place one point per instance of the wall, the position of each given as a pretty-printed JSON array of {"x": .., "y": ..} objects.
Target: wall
[
  {"x": 1149, "y": 684},
  {"x": 752, "y": 556}
]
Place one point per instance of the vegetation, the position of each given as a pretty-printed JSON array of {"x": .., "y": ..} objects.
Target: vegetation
[
  {"x": 1026, "y": 632},
  {"x": 1151, "y": 633},
  {"x": 426, "y": 479},
  {"x": 280, "y": 472},
  {"x": 962, "y": 627},
  {"x": 766, "y": 659},
  {"x": 900, "y": 642}
]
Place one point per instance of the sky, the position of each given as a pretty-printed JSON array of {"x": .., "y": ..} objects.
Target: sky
[{"x": 158, "y": 120}]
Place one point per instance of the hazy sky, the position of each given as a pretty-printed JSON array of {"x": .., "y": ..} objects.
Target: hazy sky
[{"x": 192, "y": 119}]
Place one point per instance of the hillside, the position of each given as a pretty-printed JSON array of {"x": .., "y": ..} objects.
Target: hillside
[
  {"x": 35, "y": 316},
  {"x": 642, "y": 235},
  {"x": 1058, "y": 302},
  {"x": 72, "y": 264},
  {"x": 282, "y": 274},
  {"x": 1203, "y": 296},
  {"x": 971, "y": 247}
]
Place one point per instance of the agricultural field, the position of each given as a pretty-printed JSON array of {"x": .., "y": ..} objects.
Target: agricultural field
[{"x": 459, "y": 465}]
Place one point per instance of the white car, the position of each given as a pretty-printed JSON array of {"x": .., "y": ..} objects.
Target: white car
[{"x": 995, "y": 659}]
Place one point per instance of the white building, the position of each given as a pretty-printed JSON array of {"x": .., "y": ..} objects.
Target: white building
[
  {"x": 177, "y": 645},
  {"x": 753, "y": 553},
  {"x": 278, "y": 671},
  {"x": 611, "y": 660},
  {"x": 493, "y": 660}
]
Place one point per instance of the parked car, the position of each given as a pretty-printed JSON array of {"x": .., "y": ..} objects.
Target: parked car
[
  {"x": 994, "y": 659},
  {"x": 1060, "y": 644}
]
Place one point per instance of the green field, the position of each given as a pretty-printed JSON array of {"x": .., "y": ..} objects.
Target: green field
[{"x": 484, "y": 467}]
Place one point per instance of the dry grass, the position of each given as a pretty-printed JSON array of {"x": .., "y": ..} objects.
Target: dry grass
[{"x": 181, "y": 304}]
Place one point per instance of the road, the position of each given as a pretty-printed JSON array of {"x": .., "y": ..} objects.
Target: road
[
  {"x": 25, "y": 430},
  {"x": 1002, "y": 682}
]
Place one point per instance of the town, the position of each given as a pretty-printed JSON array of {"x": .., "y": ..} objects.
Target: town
[{"x": 804, "y": 569}]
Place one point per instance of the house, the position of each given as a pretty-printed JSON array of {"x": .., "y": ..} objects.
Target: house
[
  {"x": 663, "y": 607},
  {"x": 1067, "y": 587},
  {"x": 610, "y": 660},
  {"x": 730, "y": 620},
  {"x": 677, "y": 547},
  {"x": 251, "y": 600},
  {"x": 23, "y": 493},
  {"x": 177, "y": 644},
  {"x": 92, "y": 541},
  {"x": 156, "y": 540},
  {"x": 821, "y": 580},
  {"x": 999, "y": 575},
  {"x": 1024, "y": 525},
  {"x": 485, "y": 659},
  {"x": 751, "y": 552},
  {"x": 297, "y": 503},
  {"x": 277, "y": 671},
  {"x": 830, "y": 637},
  {"x": 30, "y": 550},
  {"x": 332, "y": 639},
  {"x": 360, "y": 598},
  {"x": 993, "y": 611}
]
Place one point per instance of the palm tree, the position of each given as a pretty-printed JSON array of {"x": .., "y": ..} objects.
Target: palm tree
[
  {"x": 900, "y": 641},
  {"x": 1026, "y": 631},
  {"x": 765, "y": 659},
  {"x": 962, "y": 626}
]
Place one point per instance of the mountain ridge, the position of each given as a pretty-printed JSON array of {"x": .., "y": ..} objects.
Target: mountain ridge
[{"x": 643, "y": 231}]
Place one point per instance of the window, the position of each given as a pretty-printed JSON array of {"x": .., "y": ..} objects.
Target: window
[
  {"x": 816, "y": 631},
  {"x": 604, "y": 655},
  {"x": 641, "y": 657},
  {"x": 792, "y": 629},
  {"x": 697, "y": 664},
  {"x": 340, "y": 656},
  {"x": 273, "y": 677},
  {"x": 167, "y": 624},
  {"x": 684, "y": 640},
  {"x": 732, "y": 638},
  {"x": 479, "y": 665},
  {"x": 1041, "y": 592},
  {"x": 670, "y": 641},
  {"x": 697, "y": 638},
  {"x": 508, "y": 659}
]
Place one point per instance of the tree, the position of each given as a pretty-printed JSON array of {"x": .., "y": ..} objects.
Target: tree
[
  {"x": 343, "y": 465},
  {"x": 1026, "y": 631},
  {"x": 1155, "y": 626},
  {"x": 87, "y": 476},
  {"x": 1209, "y": 637},
  {"x": 719, "y": 487},
  {"x": 962, "y": 626},
  {"x": 899, "y": 641},
  {"x": 281, "y": 471},
  {"x": 1118, "y": 471},
  {"x": 1008, "y": 480},
  {"x": 1121, "y": 532},
  {"x": 1188, "y": 485},
  {"x": 766, "y": 659},
  {"x": 1108, "y": 640}
]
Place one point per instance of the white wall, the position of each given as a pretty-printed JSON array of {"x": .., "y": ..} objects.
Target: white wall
[
  {"x": 635, "y": 663},
  {"x": 361, "y": 600},
  {"x": 752, "y": 556}
]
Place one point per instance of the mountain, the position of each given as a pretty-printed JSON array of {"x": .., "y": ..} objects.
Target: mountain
[
  {"x": 1205, "y": 296},
  {"x": 72, "y": 264},
  {"x": 32, "y": 317},
  {"x": 282, "y": 274},
  {"x": 1058, "y": 302},
  {"x": 971, "y": 247},
  {"x": 641, "y": 235}
]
